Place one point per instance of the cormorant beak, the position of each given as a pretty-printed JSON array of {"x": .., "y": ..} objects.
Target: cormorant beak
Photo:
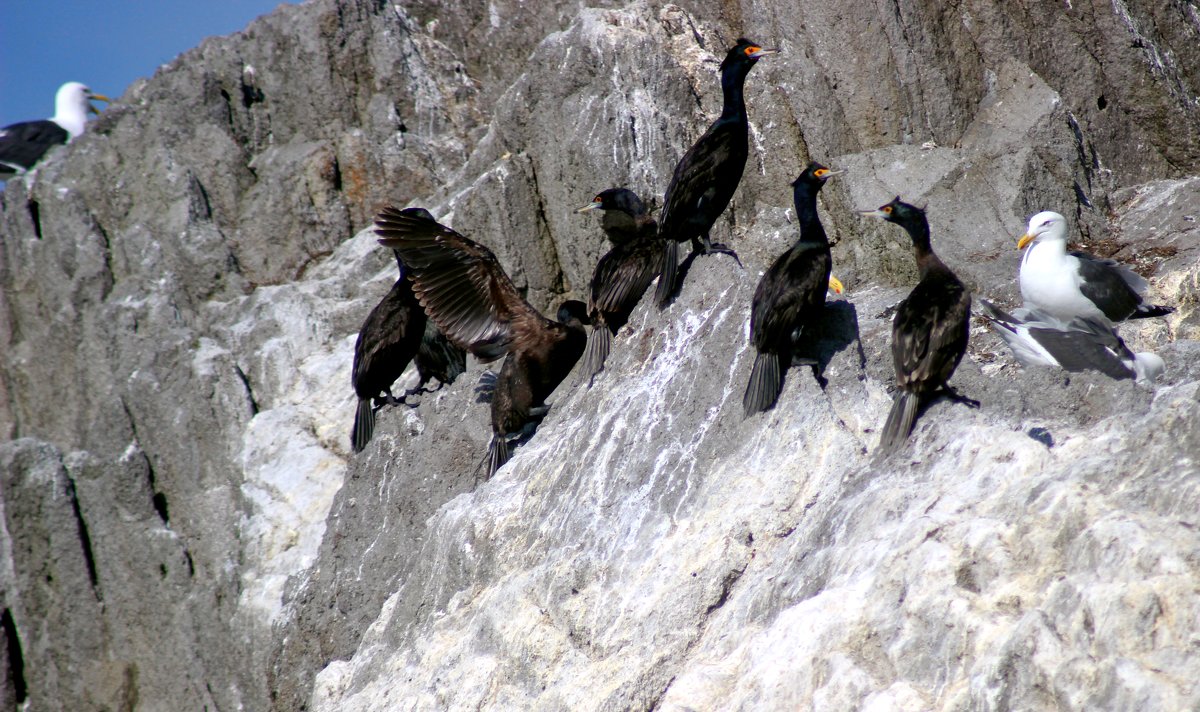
[
  {"x": 873, "y": 214},
  {"x": 1025, "y": 240},
  {"x": 836, "y": 285},
  {"x": 829, "y": 173},
  {"x": 759, "y": 52},
  {"x": 595, "y": 204}
]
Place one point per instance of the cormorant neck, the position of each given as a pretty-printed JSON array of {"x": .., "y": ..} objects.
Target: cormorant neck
[
  {"x": 400, "y": 263},
  {"x": 805, "y": 197},
  {"x": 928, "y": 262},
  {"x": 733, "y": 79},
  {"x": 918, "y": 230}
]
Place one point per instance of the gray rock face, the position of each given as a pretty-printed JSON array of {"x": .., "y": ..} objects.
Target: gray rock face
[{"x": 184, "y": 526}]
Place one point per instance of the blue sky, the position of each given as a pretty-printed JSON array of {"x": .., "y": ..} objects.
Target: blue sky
[{"x": 106, "y": 44}]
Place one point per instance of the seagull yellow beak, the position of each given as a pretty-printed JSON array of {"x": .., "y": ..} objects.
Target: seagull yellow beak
[
  {"x": 1025, "y": 240},
  {"x": 836, "y": 285},
  {"x": 97, "y": 97}
]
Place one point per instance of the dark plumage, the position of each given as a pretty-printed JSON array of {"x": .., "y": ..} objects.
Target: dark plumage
[
  {"x": 467, "y": 293},
  {"x": 708, "y": 174},
  {"x": 790, "y": 299},
  {"x": 929, "y": 331},
  {"x": 393, "y": 334},
  {"x": 622, "y": 274},
  {"x": 23, "y": 144}
]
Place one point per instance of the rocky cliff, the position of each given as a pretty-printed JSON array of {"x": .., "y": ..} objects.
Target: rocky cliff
[{"x": 184, "y": 526}]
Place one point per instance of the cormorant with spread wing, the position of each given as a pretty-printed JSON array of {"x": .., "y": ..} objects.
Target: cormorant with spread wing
[
  {"x": 708, "y": 174},
  {"x": 467, "y": 293}
]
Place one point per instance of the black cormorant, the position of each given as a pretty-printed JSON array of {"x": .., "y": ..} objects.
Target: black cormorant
[
  {"x": 929, "y": 331},
  {"x": 1064, "y": 285},
  {"x": 465, "y": 290},
  {"x": 790, "y": 299},
  {"x": 622, "y": 274},
  {"x": 23, "y": 144},
  {"x": 708, "y": 174},
  {"x": 394, "y": 333}
]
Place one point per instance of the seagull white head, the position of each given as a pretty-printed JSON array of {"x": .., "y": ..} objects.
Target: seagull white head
[
  {"x": 1046, "y": 225},
  {"x": 71, "y": 106}
]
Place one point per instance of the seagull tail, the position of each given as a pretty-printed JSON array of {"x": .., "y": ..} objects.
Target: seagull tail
[
  {"x": 1148, "y": 366},
  {"x": 1146, "y": 311},
  {"x": 497, "y": 453},
  {"x": 667, "y": 273},
  {"x": 364, "y": 425},
  {"x": 766, "y": 383},
  {"x": 899, "y": 422},
  {"x": 598, "y": 347}
]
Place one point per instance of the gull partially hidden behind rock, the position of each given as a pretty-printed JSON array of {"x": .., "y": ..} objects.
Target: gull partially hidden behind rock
[{"x": 23, "y": 144}]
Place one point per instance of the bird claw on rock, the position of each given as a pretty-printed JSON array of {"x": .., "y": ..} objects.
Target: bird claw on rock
[{"x": 718, "y": 247}]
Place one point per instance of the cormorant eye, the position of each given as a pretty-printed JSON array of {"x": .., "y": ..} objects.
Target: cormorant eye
[{"x": 887, "y": 209}]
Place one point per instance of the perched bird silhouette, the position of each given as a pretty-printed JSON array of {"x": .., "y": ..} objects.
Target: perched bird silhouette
[
  {"x": 708, "y": 174},
  {"x": 1064, "y": 285},
  {"x": 790, "y": 299},
  {"x": 1084, "y": 344},
  {"x": 23, "y": 144},
  {"x": 929, "y": 331},
  {"x": 393, "y": 334},
  {"x": 466, "y": 292},
  {"x": 622, "y": 274}
]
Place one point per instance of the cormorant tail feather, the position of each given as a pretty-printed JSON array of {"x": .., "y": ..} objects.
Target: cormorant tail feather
[
  {"x": 900, "y": 422},
  {"x": 599, "y": 345},
  {"x": 766, "y": 383},
  {"x": 364, "y": 425},
  {"x": 667, "y": 273}
]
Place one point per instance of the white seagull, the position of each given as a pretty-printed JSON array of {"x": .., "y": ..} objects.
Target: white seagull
[
  {"x": 1068, "y": 285},
  {"x": 23, "y": 144}
]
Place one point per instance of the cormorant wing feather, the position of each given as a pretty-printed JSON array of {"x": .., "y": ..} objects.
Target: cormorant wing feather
[
  {"x": 929, "y": 332},
  {"x": 622, "y": 276},
  {"x": 460, "y": 284},
  {"x": 795, "y": 283},
  {"x": 704, "y": 176}
]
